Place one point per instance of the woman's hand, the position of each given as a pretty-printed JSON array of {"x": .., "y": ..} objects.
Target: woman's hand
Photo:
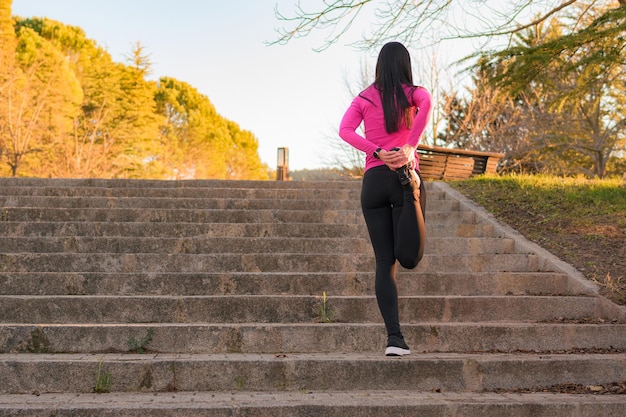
[{"x": 395, "y": 159}]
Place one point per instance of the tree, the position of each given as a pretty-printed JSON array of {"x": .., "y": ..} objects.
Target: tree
[
  {"x": 421, "y": 21},
  {"x": 580, "y": 79},
  {"x": 567, "y": 118},
  {"x": 243, "y": 160},
  {"x": 585, "y": 61},
  {"x": 194, "y": 135},
  {"x": 88, "y": 149},
  {"x": 38, "y": 103},
  {"x": 135, "y": 128},
  {"x": 67, "y": 109},
  {"x": 489, "y": 118},
  {"x": 8, "y": 42},
  {"x": 197, "y": 142}
]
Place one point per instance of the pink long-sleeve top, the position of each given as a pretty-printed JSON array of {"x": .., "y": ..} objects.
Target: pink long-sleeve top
[{"x": 367, "y": 107}]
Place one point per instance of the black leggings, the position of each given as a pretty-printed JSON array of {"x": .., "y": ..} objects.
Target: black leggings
[{"x": 395, "y": 221}]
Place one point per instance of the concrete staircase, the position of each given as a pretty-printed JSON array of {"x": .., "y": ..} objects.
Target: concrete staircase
[{"x": 215, "y": 298}]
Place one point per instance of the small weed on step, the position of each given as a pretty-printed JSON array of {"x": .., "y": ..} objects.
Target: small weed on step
[
  {"x": 141, "y": 345},
  {"x": 326, "y": 313},
  {"x": 103, "y": 379}
]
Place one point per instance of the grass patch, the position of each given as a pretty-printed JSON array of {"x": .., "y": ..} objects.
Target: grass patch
[
  {"x": 326, "y": 313},
  {"x": 141, "y": 345},
  {"x": 104, "y": 379},
  {"x": 583, "y": 221}
]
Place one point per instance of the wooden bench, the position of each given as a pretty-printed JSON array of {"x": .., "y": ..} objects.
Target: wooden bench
[{"x": 444, "y": 163}]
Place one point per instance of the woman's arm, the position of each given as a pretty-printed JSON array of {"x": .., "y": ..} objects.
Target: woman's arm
[
  {"x": 420, "y": 98},
  {"x": 423, "y": 101},
  {"x": 352, "y": 119}
]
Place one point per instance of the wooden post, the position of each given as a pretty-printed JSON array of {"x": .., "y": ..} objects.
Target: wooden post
[{"x": 282, "y": 168}]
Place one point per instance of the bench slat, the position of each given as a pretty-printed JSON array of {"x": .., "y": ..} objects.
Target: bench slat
[{"x": 445, "y": 163}]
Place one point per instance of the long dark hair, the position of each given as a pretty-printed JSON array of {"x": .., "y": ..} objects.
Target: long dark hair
[{"x": 393, "y": 70}]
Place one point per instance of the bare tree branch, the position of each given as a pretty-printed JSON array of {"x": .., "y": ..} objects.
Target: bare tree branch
[
  {"x": 412, "y": 20},
  {"x": 333, "y": 14},
  {"x": 520, "y": 28}
]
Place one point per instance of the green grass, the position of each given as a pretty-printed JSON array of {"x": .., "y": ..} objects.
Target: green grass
[
  {"x": 326, "y": 313},
  {"x": 581, "y": 220},
  {"x": 141, "y": 345},
  {"x": 103, "y": 379}
]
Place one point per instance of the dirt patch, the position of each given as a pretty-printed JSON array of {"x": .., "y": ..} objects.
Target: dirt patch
[
  {"x": 598, "y": 251},
  {"x": 594, "y": 244},
  {"x": 614, "y": 388}
]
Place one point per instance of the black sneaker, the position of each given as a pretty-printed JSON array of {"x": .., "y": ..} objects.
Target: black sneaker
[
  {"x": 396, "y": 347},
  {"x": 404, "y": 173}
]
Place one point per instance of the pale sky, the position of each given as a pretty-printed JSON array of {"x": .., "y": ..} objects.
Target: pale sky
[{"x": 287, "y": 96}]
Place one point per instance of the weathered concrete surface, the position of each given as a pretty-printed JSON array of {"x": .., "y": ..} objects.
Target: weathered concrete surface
[{"x": 220, "y": 284}]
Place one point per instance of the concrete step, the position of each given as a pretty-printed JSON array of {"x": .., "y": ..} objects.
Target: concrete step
[
  {"x": 157, "y": 183},
  {"x": 78, "y": 373},
  {"x": 371, "y": 403},
  {"x": 214, "y": 203},
  {"x": 288, "y": 309},
  {"x": 190, "y": 245},
  {"x": 27, "y": 214},
  {"x": 153, "y": 203},
  {"x": 147, "y": 183},
  {"x": 216, "y": 338},
  {"x": 202, "y": 189},
  {"x": 324, "y": 216},
  {"x": 202, "y": 245},
  {"x": 349, "y": 196},
  {"x": 172, "y": 184},
  {"x": 219, "y": 201},
  {"x": 179, "y": 229},
  {"x": 253, "y": 262},
  {"x": 221, "y": 282},
  {"x": 444, "y": 228},
  {"x": 243, "y": 283}
]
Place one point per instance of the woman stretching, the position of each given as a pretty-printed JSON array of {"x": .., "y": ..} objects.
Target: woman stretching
[{"x": 395, "y": 114}]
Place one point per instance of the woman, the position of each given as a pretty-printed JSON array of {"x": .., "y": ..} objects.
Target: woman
[{"x": 395, "y": 114}]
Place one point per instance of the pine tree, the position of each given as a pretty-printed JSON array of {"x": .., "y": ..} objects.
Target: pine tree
[{"x": 8, "y": 42}]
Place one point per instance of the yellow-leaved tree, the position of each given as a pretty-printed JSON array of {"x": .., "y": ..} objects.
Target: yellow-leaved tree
[
  {"x": 199, "y": 143},
  {"x": 68, "y": 110}
]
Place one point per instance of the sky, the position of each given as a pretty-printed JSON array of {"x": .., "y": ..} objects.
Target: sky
[{"x": 286, "y": 95}]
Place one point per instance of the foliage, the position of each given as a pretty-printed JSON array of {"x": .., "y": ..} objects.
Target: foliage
[
  {"x": 549, "y": 108},
  {"x": 556, "y": 197},
  {"x": 104, "y": 379},
  {"x": 483, "y": 119},
  {"x": 583, "y": 221},
  {"x": 40, "y": 102},
  {"x": 577, "y": 109},
  {"x": 68, "y": 110},
  {"x": 326, "y": 313},
  {"x": 598, "y": 44},
  {"x": 198, "y": 142},
  {"x": 420, "y": 22},
  {"x": 141, "y": 345},
  {"x": 8, "y": 41},
  {"x": 553, "y": 98}
]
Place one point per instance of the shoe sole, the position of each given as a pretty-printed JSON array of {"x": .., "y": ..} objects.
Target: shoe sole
[{"x": 396, "y": 351}]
